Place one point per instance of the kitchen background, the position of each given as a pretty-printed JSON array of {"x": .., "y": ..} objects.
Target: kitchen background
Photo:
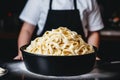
[{"x": 10, "y": 26}]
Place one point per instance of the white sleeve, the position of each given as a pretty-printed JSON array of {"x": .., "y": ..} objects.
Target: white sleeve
[
  {"x": 31, "y": 12},
  {"x": 94, "y": 18}
]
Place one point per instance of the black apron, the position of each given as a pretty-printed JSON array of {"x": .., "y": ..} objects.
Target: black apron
[{"x": 66, "y": 18}]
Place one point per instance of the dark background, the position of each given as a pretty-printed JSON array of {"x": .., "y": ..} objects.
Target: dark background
[
  {"x": 10, "y": 26},
  {"x": 110, "y": 46}
]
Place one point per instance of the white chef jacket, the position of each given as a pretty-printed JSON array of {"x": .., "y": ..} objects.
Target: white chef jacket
[{"x": 35, "y": 12}]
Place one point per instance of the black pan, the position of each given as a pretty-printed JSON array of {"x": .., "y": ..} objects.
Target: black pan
[{"x": 58, "y": 65}]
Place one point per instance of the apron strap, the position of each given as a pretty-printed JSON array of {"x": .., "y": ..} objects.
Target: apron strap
[
  {"x": 75, "y": 4},
  {"x": 50, "y": 5}
]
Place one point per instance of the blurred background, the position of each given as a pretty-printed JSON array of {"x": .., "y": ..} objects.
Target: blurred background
[{"x": 10, "y": 26}]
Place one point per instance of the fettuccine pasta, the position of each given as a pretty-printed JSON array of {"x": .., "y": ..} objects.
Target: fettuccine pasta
[{"x": 60, "y": 42}]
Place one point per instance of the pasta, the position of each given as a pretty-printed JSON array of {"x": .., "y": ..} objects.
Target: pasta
[{"x": 60, "y": 42}]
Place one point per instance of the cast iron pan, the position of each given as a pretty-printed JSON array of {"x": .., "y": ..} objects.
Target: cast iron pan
[{"x": 58, "y": 65}]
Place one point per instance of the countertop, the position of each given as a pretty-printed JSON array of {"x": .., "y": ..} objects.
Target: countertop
[{"x": 102, "y": 71}]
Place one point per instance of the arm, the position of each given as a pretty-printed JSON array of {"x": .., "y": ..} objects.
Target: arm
[
  {"x": 94, "y": 39},
  {"x": 95, "y": 24},
  {"x": 24, "y": 37}
]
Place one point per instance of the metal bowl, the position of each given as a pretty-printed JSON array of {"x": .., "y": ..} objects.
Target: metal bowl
[{"x": 58, "y": 65}]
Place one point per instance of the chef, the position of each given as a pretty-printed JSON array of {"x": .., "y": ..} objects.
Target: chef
[{"x": 82, "y": 16}]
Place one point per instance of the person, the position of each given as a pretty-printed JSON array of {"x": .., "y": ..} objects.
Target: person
[{"x": 83, "y": 16}]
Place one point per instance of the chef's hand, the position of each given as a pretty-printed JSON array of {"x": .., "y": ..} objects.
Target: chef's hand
[
  {"x": 18, "y": 57},
  {"x": 97, "y": 58}
]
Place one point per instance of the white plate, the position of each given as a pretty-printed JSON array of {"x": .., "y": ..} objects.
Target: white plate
[{"x": 3, "y": 71}]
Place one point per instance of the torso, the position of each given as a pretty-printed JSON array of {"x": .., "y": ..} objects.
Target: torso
[{"x": 34, "y": 8}]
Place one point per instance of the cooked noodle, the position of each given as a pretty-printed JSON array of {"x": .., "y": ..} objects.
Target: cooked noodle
[{"x": 60, "y": 42}]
